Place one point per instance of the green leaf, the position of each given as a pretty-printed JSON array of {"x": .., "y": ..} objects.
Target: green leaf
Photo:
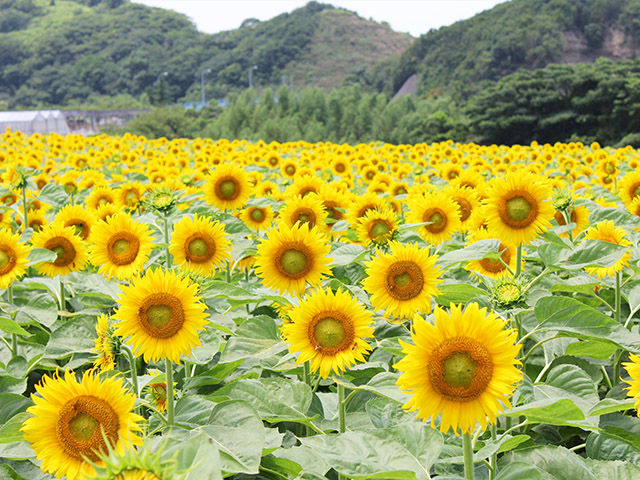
[
  {"x": 619, "y": 439},
  {"x": 40, "y": 255},
  {"x": 611, "y": 405},
  {"x": 548, "y": 463},
  {"x": 76, "y": 334},
  {"x": 612, "y": 470},
  {"x": 305, "y": 457},
  {"x": 475, "y": 251},
  {"x": 9, "y": 326},
  {"x": 346, "y": 254},
  {"x": 195, "y": 452},
  {"x": 237, "y": 431},
  {"x": 552, "y": 411},
  {"x": 592, "y": 253},
  {"x": 403, "y": 452},
  {"x": 257, "y": 338},
  {"x": 275, "y": 399},
  {"x": 16, "y": 451},
  {"x": 10, "y": 431},
  {"x": 458, "y": 293},
  {"x": 237, "y": 296},
  {"x": 39, "y": 308},
  {"x": 193, "y": 410},
  {"x": 214, "y": 376},
  {"x": 584, "y": 348},
  {"x": 210, "y": 340},
  {"x": 383, "y": 384},
  {"x": 12, "y": 404}
]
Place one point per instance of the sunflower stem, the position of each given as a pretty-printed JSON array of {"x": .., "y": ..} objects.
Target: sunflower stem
[
  {"x": 305, "y": 373},
  {"x": 518, "y": 262},
  {"x": 618, "y": 297},
  {"x": 14, "y": 337},
  {"x": 134, "y": 373},
  {"x": 62, "y": 299},
  {"x": 169, "y": 375},
  {"x": 342, "y": 418},
  {"x": 24, "y": 206},
  {"x": 167, "y": 255},
  {"x": 468, "y": 456},
  {"x": 567, "y": 220},
  {"x": 616, "y": 314},
  {"x": 493, "y": 464}
]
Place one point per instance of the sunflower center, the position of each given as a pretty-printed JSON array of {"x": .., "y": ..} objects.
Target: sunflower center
[
  {"x": 293, "y": 261},
  {"x": 609, "y": 168},
  {"x": 465, "y": 208},
  {"x": 508, "y": 293},
  {"x": 80, "y": 226},
  {"x": 161, "y": 315},
  {"x": 163, "y": 200},
  {"x": 379, "y": 229},
  {"x": 635, "y": 190},
  {"x": 304, "y": 215},
  {"x": 496, "y": 266},
  {"x": 64, "y": 250},
  {"x": 290, "y": 169},
  {"x": 460, "y": 369},
  {"x": 103, "y": 201},
  {"x": 228, "y": 189},
  {"x": 331, "y": 332},
  {"x": 340, "y": 167},
  {"x": 560, "y": 217},
  {"x": 519, "y": 210},
  {"x": 81, "y": 423},
  {"x": 401, "y": 191},
  {"x": 257, "y": 214},
  {"x": 7, "y": 260},
  {"x": 131, "y": 199},
  {"x": 330, "y": 206},
  {"x": 437, "y": 218},
  {"x": 404, "y": 280},
  {"x": 123, "y": 248},
  {"x": 159, "y": 392},
  {"x": 199, "y": 248}
]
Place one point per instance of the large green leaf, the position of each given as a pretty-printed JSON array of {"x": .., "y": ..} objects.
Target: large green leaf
[
  {"x": 9, "y": 326},
  {"x": 346, "y": 254},
  {"x": 403, "y": 452},
  {"x": 619, "y": 439},
  {"x": 10, "y": 431},
  {"x": 237, "y": 296},
  {"x": 195, "y": 452},
  {"x": 38, "y": 308},
  {"x": 613, "y": 470},
  {"x": 475, "y": 251},
  {"x": 210, "y": 340},
  {"x": 258, "y": 339},
  {"x": 552, "y": 411},
  {"x": 458, "y": 293},
  {"x": 548, "y": 463},
  {"x": 592, "y": 253},
  {"x": 75, "y": 334}
]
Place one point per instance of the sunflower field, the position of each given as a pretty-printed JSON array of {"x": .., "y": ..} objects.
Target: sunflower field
[{"x": 200, "y": 309}]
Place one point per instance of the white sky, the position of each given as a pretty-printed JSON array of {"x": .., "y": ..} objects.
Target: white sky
[{"x": 413, "y": 16}]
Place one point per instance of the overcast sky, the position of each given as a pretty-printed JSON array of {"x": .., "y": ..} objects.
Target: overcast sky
[{"x": 413, "y": 16}]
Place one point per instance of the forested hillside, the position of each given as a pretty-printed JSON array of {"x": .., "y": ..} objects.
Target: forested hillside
[{"x": 70, "y": 52}]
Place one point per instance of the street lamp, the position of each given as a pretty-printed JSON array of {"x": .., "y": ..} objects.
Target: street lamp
[
  {"x": 161, "y": 74},
  {"x": 255, "y": 67},
  {"x": 202, "y": 85}
]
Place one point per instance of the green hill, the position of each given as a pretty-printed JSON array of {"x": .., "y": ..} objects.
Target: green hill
[
  {"x": 67, "y": 52},
  {"x": 515, "y": 34}
]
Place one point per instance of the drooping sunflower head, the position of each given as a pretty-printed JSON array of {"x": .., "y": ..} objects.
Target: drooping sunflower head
[
  {"x": 328, "y": 329},
  {"x": 73, "y": 422},
  {"x": 13, "y": 257},
  {"x": 228, "y": 187},
  {"x": 70, "y": 249},
  {"x": 606, "y": 231},
  {"x": 160, "y": 315},
  {"x": 200, "y": 245},
  {"x": 441, "y": 211},
  {"x": 517, "y": 209},
  {"x": 120, "y": 246},
  {"x": 291, "y": 257},
  {"x": 402, "y": 281},
  {"x": 463, "y": 368},
  {"x": 377, "y": 227}
]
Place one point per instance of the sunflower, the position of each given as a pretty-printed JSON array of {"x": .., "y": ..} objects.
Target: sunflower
[
  {"x": 634, "y": 207},
  {"x": 102, "y": 195},
  {"x": 13, "y": 257},
  {"x": 402, "y": 282},
  {"x": 291, "y": 257},
  {"x": 463, "y": 367},
  {"x": 121, "y": 246},
  {"x": 629, "y": 187},
  {"x": 74, "y": 422},
  {"x": 130, "y": 194},
  {"x": 362, "y": 204},
  {"x": 227, "y": 188},
  {"x": 608, "y": 232},
  {"x": 257, "y": 218},
  {"x": 71, "y": 249},
  {"x": 516, "y": 208},
  {"x": 489, "y": 267},
  {"x": 308, "y": 209},
  {"x": 157, "y": 391},
  {"x": 78, "y": 217},
  {"x": 468, "y": 203},
  {"x": 328, "y": 330},
  {"x": 578, "y": 215},
  {"x": 107, "y": 345},
  {"x": 633, "y": 369},
  {"x": 200, "y": 245},
  {"x": 377, "y": 227},
  {"x": 160, "y": 314},
  {"x": 440, "y": 210}
]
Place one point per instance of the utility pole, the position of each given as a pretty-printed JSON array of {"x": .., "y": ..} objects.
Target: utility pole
[
  {"x": 202, "y": 96},
  {"x": 255, "y": 67}
]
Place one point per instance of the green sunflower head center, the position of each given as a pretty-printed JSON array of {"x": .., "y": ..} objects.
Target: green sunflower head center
[
  {"x": 159, "y": 316},
  {"x": 103, "y": 201},
  {"x": 518, "y": 208},
  {"x": 131, "y": 198},
  {"x": 5, "y": 258},
  {"x": 121, "y": 246},
  {"x": 159, "y": 391},
  {"x": 163, "y": 200},
  {"x": 402, "y": 280},
  {"x": 436, "y": 219},
  {"x": 228, "y": 189},
  {"x": 379, "y": 229},
  {"x": 459, "y": 370},
  {"x": 509, "y": 293},
  {"x": 294, "y": 261},
  {"x": 59, "y": 251},
  {"x": 610, "y": 168},
  {"x": 198, "y": 247},
  {"x": 401, "y": 191},
  {"x": 80, "y": 228},
  {"x": 257, "y": 214},
  {"x": 635, "y": 192},
  {"x": 304, "y": 218},
  {"x": 83, "y": 426},
  {"x": 329, "y": 332},
  {"x": 290, "y": 169}
]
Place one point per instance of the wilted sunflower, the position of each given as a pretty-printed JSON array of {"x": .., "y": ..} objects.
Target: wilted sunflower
[
  {"x": 403, "y": 281},
  {"x": 440, "y": 210},
  {"x": 328, "y": 329},
  {"x": 200, "y": 245},
  {"x": 106, "y": 345},
  {"x": 257, "y": 218},
  {"x": 160, "y": 315},
  {"x": 121, "y": 246},
  {"x": 517, "y": 209},
  {"x": 73, "y": 421},
  {"x": 377, "y": 227},
  {"x": 463, "y": 367},
  {"x": 227, "y": 188},
  {"x": 13, "y": 257},
  {"x": 633, "y": 369},
  {"x": 291, "y": 257},
  {"x": 69, "y": 247},
  {"x": 608, "y": 232},
  {"x": 308, "y": 209}
]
